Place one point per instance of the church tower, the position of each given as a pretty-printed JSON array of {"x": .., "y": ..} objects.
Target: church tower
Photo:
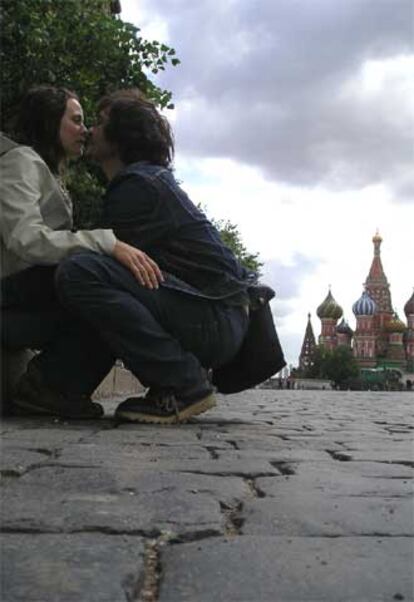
[
  {"x": 365, "y": 335},
  {"x": 329, "y": 313},
  {"x": 409, "y": 334},
  {"x": 378, "y": 289},
  {"x": 344, "y": 334},
  {"x": 308, "y": 347},
  {"x": 395, "y": 354}
]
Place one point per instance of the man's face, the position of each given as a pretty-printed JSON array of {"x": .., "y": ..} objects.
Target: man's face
[{"x": 98, "y": 148}]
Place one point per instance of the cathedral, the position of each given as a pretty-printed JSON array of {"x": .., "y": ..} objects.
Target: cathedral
[{"x": 380, "y": 338}]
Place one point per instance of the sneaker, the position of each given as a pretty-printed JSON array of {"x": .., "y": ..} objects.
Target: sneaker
[
  {"x": 165, "y": 408},
  {"x": 33, "y": 397}
]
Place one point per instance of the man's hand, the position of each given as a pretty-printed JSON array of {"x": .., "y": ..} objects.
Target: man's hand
[{"x": 145, "y": 270}]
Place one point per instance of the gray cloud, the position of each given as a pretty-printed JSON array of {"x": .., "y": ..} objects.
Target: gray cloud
[
  {"x": 265, "y": 83},
  {"x": 290, "y": 344},
  {"x": 286, "y": 279}
]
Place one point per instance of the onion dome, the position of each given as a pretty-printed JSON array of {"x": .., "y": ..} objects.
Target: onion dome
[
  {"x": 409, "y": 306},
  {"x": 344, "y": 328},
  {"x": 329, "y": 308},
  {"x": 365, "y": 306},
  {"x": 376, "y": 238},
  {"x": 396, "y": 325}
]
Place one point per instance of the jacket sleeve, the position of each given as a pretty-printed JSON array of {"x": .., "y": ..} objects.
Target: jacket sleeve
[{"x": 40, "y": 233}]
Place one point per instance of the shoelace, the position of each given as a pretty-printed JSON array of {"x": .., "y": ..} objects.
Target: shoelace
[{"x": 167, "y": 403}]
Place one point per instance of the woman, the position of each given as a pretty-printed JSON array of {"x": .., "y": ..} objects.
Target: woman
[{"x": 36, "y": 233}]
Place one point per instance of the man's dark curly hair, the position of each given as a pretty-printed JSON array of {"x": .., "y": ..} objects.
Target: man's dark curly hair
[
  {"x": 37, "y": 122},
  {"x": 136, "y": 128}
]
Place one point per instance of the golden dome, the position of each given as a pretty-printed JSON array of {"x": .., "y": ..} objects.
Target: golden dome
[
  {"x": 376, "y": 237},
  {"x": 396, "y": 325}
]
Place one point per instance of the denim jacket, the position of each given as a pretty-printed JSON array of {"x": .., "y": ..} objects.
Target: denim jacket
[{"x": 146, "y": 207}]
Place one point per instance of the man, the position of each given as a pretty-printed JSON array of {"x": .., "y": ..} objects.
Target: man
[{"x": 171, "y": 336}]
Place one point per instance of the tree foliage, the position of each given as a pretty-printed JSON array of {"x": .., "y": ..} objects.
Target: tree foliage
[
  {"x": 337, "y": 365},
  {"x": 80, "y": 45},
  {"x": 231, "y": 237}
]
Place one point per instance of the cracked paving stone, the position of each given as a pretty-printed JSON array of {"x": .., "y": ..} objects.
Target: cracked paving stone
[
  {"x": 344, "y": 480},
  {"x": 327, "y": 515},
  {"x": 180, "y": 513},
  {"x": 265, "y": 569},
  {"x": 69, "y": 568},
  {"x": 16, "y": 461},
  {"x": 79, "y": 498},
  {"x": 117, "y": 456}
]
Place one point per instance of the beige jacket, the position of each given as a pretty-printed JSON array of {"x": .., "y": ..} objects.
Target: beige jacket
[{"x": 36, "y": 215}]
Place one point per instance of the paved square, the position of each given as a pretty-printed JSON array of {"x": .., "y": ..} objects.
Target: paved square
[{"x": 274, "y": 496}]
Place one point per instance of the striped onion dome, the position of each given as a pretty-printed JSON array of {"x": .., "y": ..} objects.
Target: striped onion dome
[
  {"x": 329, "y": 308},
  {"x": 396, "y": 325},
  {"x": 344, "y": 328},
  {"x": 409, "y": 306},
  {"x": 365, "y": 306}
]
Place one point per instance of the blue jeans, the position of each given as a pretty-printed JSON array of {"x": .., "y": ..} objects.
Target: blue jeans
[
  {"x": 73, "y": 359},
  {"x": 164, "y": 337}
]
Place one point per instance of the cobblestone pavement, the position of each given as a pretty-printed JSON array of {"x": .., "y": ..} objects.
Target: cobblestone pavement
[{"x": 273, "y": 496}]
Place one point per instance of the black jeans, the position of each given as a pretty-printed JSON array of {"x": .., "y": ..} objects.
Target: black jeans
[
  {"x": 74, "y": 359},
  {"x": 164, "y": 337}
]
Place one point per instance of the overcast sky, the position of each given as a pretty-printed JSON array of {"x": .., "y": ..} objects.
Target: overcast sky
[{"x": 294, "y": 119}]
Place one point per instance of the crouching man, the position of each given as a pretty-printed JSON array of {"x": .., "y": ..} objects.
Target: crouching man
[{"x": 169, "y": 336}]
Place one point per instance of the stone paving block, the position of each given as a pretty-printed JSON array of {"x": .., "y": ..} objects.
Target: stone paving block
[
  {"x": 78, "y": 498},
  {"x": 242, "y": 467},
  {"x": 134, "y": 456},
  {"x": 85, "y": 480},
  {"x": 70, "y": 568},
  {"x": 104, "y": 509},
  {"x": 16, "y": 461},
  {"x": 126, "y": 513},
  {"x": 381, "y": 469},
  {"x": 270, "y": 569},
  {"x": 334, "y": 481},
  {"x": 39, "y": 431},
  {"x": 194, "y": 459},
  {"x": 145, "y": 434},
  {"x": 324, "y": 515},
  {"x": 279, "y": 454},
  {"x": 404, "y": 456},
  {"x": 386, "y": 441}
]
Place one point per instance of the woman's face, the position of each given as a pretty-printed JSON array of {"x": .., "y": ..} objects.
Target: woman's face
[{"x": 72, "y": 130}]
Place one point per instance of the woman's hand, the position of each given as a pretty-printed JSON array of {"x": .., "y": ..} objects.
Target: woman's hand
[{"x": 145, "y": 270}]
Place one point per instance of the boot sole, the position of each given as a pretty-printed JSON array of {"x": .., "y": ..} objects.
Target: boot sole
[{"x": 194, "y": 410}]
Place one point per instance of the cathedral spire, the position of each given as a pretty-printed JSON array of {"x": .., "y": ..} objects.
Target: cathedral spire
[
  {"x": 376, "y": 272},
  {"x": 308, "y": 346},
  {"x": 376, "y": 283}
]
